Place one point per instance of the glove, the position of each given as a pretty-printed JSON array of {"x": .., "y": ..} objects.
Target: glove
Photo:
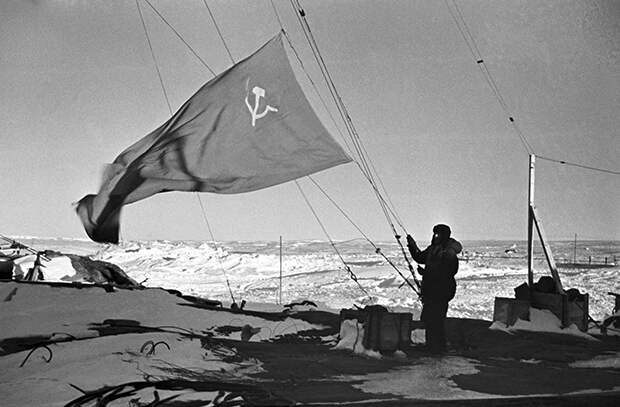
[{"x": 410, "y": 241}]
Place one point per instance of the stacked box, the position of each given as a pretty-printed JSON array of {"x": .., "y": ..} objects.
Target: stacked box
[{"x": 383, "y": 331}]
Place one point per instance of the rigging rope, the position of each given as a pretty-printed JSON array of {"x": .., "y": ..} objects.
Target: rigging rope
[
  {"x": 316, "y": 90},
  {"x": 360, "y": 160},
  {"x": 300, "y": 14},
  {"x": 352, "y": 275},
  {"x": 180, "y": 37},
  {"x": 362, "y": 152},
  {"x": 364, "y": 158},
  {"x": 204, "y": 215},
  {"x": 275, "y": 11},
  {"x": 366, "y": 165},
  {"x": 218, "y": 31},
  {"x": 392, "y": 212},
  {"x": 579, "y": 165},
  {"x": 459, "y": 20},
  {"x": 463, "y": 28},
  {"x": 148, "y": 39},
  {"x": 19, "y": 245},
  {"x": 341, "y": 211},
  {"x": 377, "y": 249}
]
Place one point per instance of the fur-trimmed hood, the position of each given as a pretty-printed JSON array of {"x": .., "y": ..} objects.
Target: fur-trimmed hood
[{"x": 455, "y": 245}]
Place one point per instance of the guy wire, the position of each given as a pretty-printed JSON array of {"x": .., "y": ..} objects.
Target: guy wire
[{"x": 170, "y": 110}]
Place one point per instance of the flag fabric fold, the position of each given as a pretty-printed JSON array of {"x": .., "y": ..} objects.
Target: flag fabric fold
[{"x": 248, "y": 128}]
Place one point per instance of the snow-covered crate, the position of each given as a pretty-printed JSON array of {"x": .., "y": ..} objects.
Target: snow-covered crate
[
  {"x": 508, "y": 310},
  {"x": 577, "y": 312},
  {"x": 383, "y": 331},
  {"x": 568, "y": 310}
]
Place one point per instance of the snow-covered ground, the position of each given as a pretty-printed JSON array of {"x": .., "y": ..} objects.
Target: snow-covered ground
[
  {"x": 312, "y": 270},
  {"x": 90, "y": 361},
  {"x": 180, "y": 343},
  {"x": 60, "y": 372},
  {"x": 174, "y": 346}
]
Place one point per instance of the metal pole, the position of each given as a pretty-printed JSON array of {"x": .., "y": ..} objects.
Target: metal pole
[
  {"x": 280, "y": 269},
  {"x": 575, "y": 250},
  {"x": 530, "y": 223},
  {"x": 547, "y": 250}
]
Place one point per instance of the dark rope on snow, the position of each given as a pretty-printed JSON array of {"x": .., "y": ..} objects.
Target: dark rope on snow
[{"x": 33, "y": 350}]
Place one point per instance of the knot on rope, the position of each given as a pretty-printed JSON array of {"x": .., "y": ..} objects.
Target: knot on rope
[
  {"x": 351, "y": 274},
  {"x": 378, "y": 250}
]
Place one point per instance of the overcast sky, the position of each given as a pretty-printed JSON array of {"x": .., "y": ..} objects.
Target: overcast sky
[{"x": 78, "y": 85}]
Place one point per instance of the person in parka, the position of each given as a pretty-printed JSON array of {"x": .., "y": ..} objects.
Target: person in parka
[{"x": 438, "y": 283}]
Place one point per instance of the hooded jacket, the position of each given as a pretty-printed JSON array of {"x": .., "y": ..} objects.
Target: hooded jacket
[{"x": 438, "y": 283}]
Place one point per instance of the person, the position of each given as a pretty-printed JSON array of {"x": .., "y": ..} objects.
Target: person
[{"x": 438, "y": 283}]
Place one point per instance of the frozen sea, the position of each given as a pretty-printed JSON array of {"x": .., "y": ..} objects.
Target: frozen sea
[{"x": 311, "y": 270}]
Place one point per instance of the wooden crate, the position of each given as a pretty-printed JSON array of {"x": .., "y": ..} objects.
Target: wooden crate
[
  {"x": 556, "y": 303},
  {"x": 383, "y": 331},
  {"x": 578, "y": 313},
  {"x": 358, "y": 314},
  {"x": 508, "y": 310},
  {"x": 388, "y": 331},
  {"x": 569, "y": 312}
]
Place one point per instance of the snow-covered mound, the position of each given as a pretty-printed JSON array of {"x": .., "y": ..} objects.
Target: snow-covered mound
[{"x": 57, "y": 267}]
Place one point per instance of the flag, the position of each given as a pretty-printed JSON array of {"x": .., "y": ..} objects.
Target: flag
[{"x": 248, "y": 128}]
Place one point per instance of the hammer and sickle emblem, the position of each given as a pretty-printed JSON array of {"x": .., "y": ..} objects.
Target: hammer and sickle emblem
[{"x": 258, "y": 94}]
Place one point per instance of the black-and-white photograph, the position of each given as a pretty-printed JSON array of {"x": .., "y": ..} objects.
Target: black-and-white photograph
[{"x": 309, "y": 202}]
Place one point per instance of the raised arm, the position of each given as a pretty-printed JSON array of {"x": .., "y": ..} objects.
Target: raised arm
[{"x": 418, "y": 255}]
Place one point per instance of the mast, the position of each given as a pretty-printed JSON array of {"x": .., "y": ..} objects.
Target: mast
[
  {"x": 530, "y": 222},
  {"x": 534, "y": 220},
  {"x": 363, "y": 159}
]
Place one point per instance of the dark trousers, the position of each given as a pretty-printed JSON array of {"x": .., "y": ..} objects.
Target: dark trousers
[{"x": 434, "y": 318}]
